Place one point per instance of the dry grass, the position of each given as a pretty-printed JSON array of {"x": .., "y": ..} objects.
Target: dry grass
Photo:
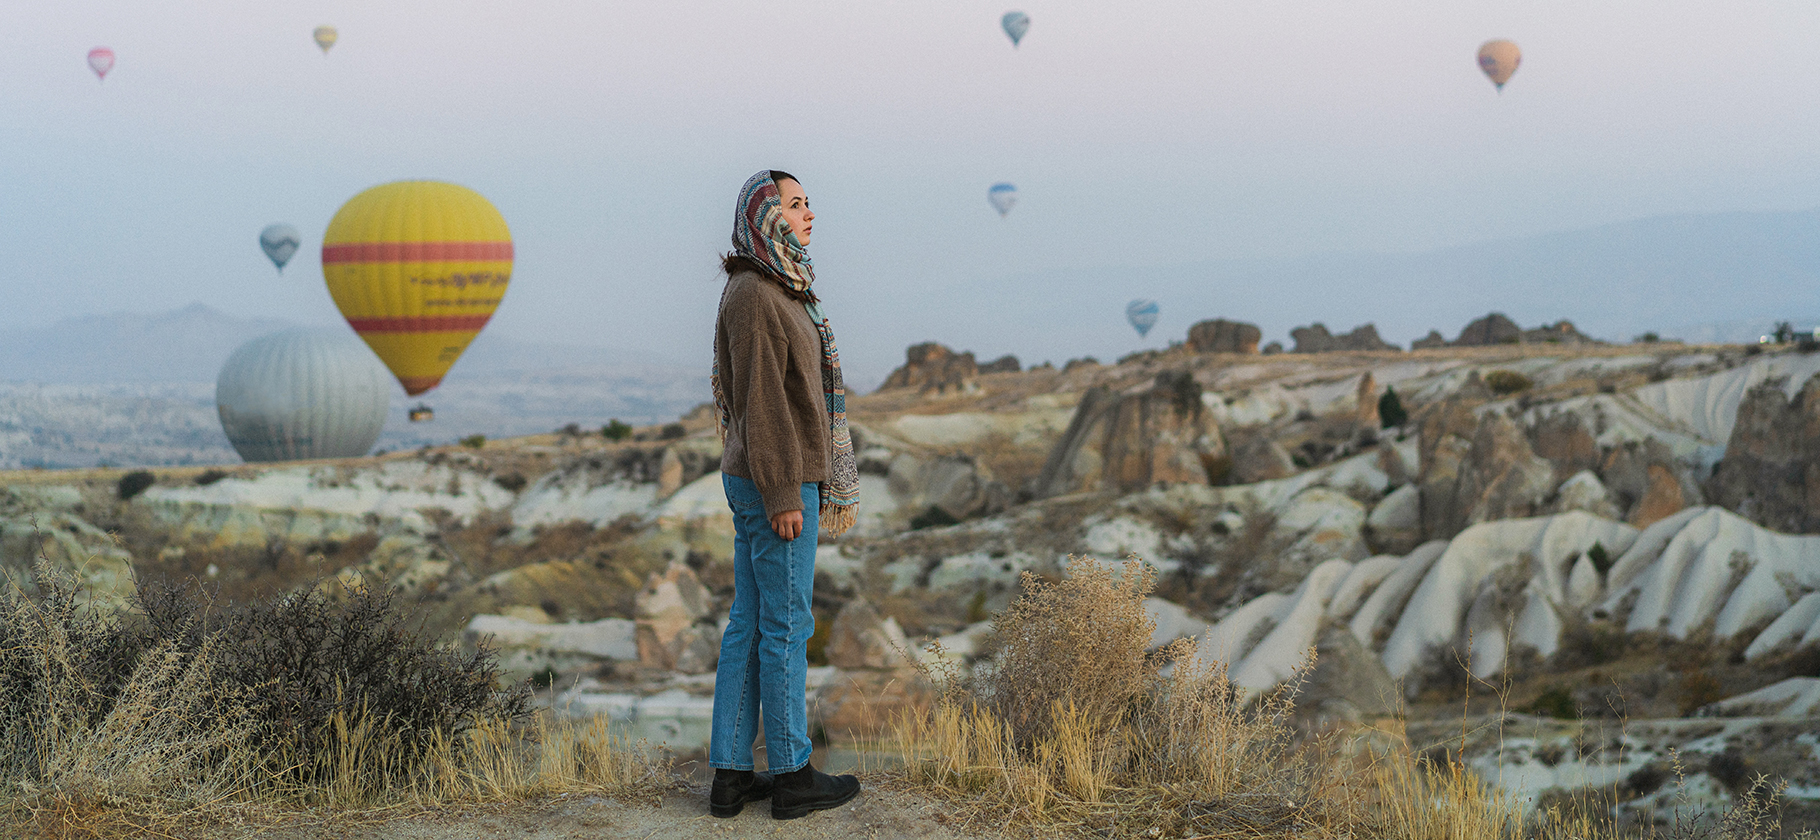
[
  {"x": 1077, "y": 728},
  {"x": 99, "y": 740},
  {"x": 1079, "y": 732}
]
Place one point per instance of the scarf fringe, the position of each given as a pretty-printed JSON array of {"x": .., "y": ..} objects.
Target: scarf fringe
[{"x": 836, "y": 519}]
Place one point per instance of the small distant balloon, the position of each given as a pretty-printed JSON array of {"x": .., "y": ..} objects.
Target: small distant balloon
[
  {"x": 101, "y": 60},
  {"x": 1016, "y": 24},
  {"x": 1142, "y": 315},
  {"x": 325, "y": 37},
  {"x": 279, "y": 242},
  {"x": 1003, "y": 197},
  {"x": 1498, "y": 60}
]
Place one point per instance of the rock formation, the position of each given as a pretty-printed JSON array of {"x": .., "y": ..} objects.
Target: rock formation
[
  {"x": 933, "y": 368},
  {"x": 1316, "y": 339},
  {"x": 1771, "y": 470},
  {"x": 1129, "y": 441},
  {"x": 1223, "y": 336},
  {"x": 860, "y": 639},
  {"x": 1432, "y": 340},
  {"x": 668, "y": 629},
  {"x": 957, "y": 485},
  {"x": 1366, "y": 416},
  {"x": 1258, "y": 457},
  {"x": 1583, "y": 491},
  {"x": 529, "y": 647},
  {"x": 1489, "y": 472},
  {"x": 1647, "y": 482},
  {"x": 1562, "y": 438},
  {"x": 1559, "y": 332},
  {"x": 1489, "y": 330},
  {"x": 1395, "y": 525},
  {"x": 1496, "y": 328},
  {"x": 1003, "y": 364}
]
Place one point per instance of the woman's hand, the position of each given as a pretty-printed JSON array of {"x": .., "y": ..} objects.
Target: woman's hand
[{"x": 788, "y": 525}]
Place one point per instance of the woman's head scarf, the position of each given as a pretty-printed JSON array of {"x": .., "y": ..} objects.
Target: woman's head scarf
[{"x": 762, "y": 234}]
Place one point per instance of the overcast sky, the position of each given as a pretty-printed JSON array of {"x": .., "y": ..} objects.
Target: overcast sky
[{"x": 613, "y": 136}]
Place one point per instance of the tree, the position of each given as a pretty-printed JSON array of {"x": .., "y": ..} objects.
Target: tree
[{"x": 1390, "y": 409}]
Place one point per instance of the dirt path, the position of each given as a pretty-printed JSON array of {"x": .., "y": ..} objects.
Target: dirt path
[{"x": 875, "y": 815}]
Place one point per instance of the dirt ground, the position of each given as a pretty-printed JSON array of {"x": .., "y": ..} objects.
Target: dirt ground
[{"x": 876, "y": 814}]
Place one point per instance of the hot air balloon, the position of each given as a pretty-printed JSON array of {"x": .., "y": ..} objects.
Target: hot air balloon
[
  {"x": 304, "y": 393},
  {"x": 325, "y": 37},
  {"x": 1498, "y": 59},
  {"x": 417, "y": 268},
  {"x": 101, "y": 60},
  {"x": 1003, "y": 197},
  {"x": 1142, "y": 315},
  {"x": 280, "y": 241},
  {"x": 1015, "y": 24}
]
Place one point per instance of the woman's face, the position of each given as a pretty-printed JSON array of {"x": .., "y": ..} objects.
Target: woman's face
[{"x": 796, "y": 209}]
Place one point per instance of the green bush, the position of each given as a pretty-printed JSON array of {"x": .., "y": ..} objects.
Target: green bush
[
  {"x": 1601, "y": 559},
  {"x": 474, "y": 441},
  {"x": 1507, "y": 382},
  {"x": 1390, "y": 409},
  {"x": 672, "y": 431},
  {"x": 1557, "y": 703},
  {"x": 615, "y": 430},
  {"x": 134, "y": 483}
]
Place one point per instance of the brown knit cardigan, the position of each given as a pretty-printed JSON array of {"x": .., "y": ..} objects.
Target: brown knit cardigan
[{"x": 770, "y": 358}]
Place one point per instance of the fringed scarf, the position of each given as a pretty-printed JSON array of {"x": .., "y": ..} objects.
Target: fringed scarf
[{"x": 762, "y": 234}]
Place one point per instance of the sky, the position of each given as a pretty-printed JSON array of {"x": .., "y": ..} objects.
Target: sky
[{"x": 613, "y": 138}]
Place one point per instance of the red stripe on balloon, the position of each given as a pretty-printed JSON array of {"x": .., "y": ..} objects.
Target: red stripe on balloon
[
  {"x": 420, "y": 323},
  {"x": 373, "y": 252}
]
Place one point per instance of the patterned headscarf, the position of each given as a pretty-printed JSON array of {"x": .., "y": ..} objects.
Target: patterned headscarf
[{"x": 762, "y": 234}]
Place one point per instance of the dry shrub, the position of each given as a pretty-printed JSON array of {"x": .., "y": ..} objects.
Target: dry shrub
[
  {"x": 91, "y": 725},
  {"x": 1078, "y": 643},
  {"x": 188, "y": 712},
  {"x": 1077, "y": 727}
]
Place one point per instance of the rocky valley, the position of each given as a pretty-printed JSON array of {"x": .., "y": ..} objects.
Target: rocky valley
[{"x": 1600, "y": 563}]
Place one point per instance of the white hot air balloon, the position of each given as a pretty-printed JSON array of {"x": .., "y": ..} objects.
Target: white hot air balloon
[
  {"x": 279, "y": 242},
  {"x": 1003, "y": 197},
  {"x": 303, "y": 393},
  {"x": 1015, "y": 24},
  {"x": 1142, "y": 315}
]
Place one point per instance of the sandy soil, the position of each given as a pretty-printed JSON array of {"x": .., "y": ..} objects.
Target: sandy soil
[{"x": 875, "y": 815}]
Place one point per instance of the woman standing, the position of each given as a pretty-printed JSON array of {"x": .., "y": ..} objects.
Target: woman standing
[{"x": 788, "y": 468}]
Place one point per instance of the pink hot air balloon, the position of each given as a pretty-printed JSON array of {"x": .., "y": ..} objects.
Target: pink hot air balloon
[{"x": 101, "y": 60}]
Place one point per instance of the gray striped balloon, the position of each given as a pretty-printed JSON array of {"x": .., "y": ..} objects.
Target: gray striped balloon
[{"x": 303, "y": 393}]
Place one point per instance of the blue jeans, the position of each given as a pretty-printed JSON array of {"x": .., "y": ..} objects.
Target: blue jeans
[{"x": 764, "y": 654}]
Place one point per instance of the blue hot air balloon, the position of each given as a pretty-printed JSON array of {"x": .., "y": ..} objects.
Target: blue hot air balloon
[
  {"x": 1016, "y": 24},
  {"x": 1142, "y": 315},
  {"x": 1003, "y": 197},
  {"x": 280, "y": 242}
]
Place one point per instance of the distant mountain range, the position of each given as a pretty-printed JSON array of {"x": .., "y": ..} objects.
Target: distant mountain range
[{"x": 190, "y": 345}]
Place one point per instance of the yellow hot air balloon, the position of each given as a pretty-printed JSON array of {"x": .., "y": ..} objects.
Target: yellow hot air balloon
[
  {"x": 417, "y": 268},
  {"x": 1498, "y": 59},
  {"x": 325, "y": 37}
]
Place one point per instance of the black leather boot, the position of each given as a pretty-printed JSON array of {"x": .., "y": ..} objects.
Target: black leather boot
[
  {"x": 734, "y": 788},
  {"x": 800, "y": 793}
]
